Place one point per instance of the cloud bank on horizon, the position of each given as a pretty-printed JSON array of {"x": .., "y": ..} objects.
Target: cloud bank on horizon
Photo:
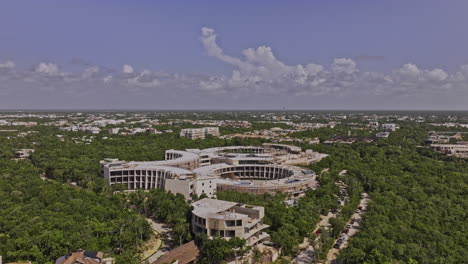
[{"x": 258, "y": 73}]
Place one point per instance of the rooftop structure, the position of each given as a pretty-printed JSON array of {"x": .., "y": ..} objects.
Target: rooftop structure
[
  {"x": 187, "y": 253},
  {"x": 84, "y": 257},
  {"x": 382, "y": 135},
  {"x": 225, "y": 219}
]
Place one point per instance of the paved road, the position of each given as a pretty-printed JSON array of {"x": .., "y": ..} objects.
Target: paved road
[
  {"x": 353, "y": 230},
  {"x": 166, "y": 235}
]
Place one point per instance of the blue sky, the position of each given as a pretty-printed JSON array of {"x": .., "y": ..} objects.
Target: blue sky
[{"x": 364, "y": 54}]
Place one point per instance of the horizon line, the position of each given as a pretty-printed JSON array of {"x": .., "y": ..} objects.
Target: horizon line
[{"x": 223, "y": 110}]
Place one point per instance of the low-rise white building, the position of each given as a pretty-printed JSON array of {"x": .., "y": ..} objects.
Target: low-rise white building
[
  {"x": 113, "y": 131},
  {"x": 390, "y": 127},
  {"x": 382, "y": 135},
  {"x": 23, "y": 153},
  {"x": 456, "y": 150},
  {"x": 374, "y": 124}
]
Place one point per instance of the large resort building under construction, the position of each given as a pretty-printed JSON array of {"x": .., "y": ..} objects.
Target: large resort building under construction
[{"x": 254, "y": 169}]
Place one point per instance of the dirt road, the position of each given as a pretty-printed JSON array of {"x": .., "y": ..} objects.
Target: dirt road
[
  {"x": 353, "y": 230},
  {"x": 307, "y": 255}
]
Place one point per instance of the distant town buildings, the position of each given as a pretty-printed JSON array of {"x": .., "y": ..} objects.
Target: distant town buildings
[
  {"x": 76, "y": 128},
  {"x": 17, "y": 123},
  {"x": 304, "y": 126},
  {"x": 443, "y": 137},
  {"x": 449, "y": 125},
  {"x": 105, "y": 122},
  {"x": 276, "y": 134},
  {"x": 347, "y": 140},
  {"x": 217, "y": 218}
]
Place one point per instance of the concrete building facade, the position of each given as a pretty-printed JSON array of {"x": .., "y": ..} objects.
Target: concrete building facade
[
  {"x": 217, "y": 218},
  {"x": 199, "y": 133},
  {"x": 390, "y": 127},
  {"x": 456, "y": 150},
  {"x": 251, "y": 169}
]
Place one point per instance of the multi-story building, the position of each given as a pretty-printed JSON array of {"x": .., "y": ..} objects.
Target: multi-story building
[
  {"x": 214, "y": 131},
  {"x": 390, "y": 127},
  {"x": 456, "y": 150},
  {"x": 81, "y": 256},
  {"x": 192, "y": 133},
  {"x": 374, "y": 124},
  {"x": 199, "y": 133},
  {"x": 217, "y": 218},
  {"x": 252, "y": 169}
]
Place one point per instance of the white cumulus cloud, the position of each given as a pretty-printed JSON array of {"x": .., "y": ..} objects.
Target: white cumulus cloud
[
  {"x": 47, "y": 68},
  {"x": 259, "y": 71},
  {"x": 127, "y": 68},
  {"x": 7, "y": 65},
  {"x": 344, "y": 65},
  {"x": 410, "y": 69},
  {"x": 258, "y": 75},
  {"x": 437, "y": 75}
]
